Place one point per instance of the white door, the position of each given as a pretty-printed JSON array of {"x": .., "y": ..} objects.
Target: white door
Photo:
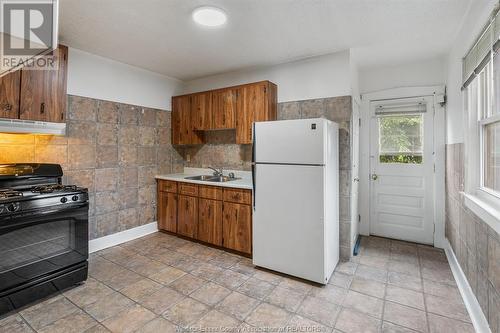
[
  {"x": 402, "y": 166},
  {"x": 288, "y": 220}
]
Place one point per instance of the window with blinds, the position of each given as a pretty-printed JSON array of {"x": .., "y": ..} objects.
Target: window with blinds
[{"x": 481, "y": 85}]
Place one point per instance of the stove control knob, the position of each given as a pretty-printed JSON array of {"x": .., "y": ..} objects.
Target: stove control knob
[
  {"x": 74, "y": 198},
  {"x": 12, "y": 207},
  {"x": 64, "y": 199}
]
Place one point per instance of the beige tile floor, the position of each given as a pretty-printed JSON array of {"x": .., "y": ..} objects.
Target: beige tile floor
[{"x": 161, "y": 283}]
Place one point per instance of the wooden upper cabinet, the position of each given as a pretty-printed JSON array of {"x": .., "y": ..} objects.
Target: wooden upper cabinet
[
  {"x": 9, "y": 95},
  {"x": 182, "y": 122},
  {"x": 224, "y": 108},
  {"x": 235, "y": 107},
  {"x": 43, "y": 92},
  {"x": 201, "y": 111},
  {"x": 256, "y": 102}
]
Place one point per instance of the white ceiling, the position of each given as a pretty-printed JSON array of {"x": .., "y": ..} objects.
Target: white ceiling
[{"x": 159, "y": 35}]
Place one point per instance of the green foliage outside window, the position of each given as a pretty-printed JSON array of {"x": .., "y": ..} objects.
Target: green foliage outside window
[{"x": 400, "y": 139}]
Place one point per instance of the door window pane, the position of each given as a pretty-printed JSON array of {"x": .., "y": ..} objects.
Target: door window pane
[
  {"x": 401, "y": 139},
  {"x": 492, "y": 156}
]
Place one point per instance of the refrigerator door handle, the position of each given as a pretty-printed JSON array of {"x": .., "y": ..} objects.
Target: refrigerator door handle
[{"x": 253, "y": 164}]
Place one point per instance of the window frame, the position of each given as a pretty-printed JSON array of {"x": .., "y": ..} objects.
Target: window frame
[{"x": 483, "y": 201}]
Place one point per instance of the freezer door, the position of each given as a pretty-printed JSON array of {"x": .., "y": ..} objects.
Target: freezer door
[
  {"x": 291, "y": 141},
  {"x": 288, "y": 220}
]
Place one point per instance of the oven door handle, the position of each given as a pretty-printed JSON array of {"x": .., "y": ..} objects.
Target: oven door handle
[{"x": 19, "y": 219}]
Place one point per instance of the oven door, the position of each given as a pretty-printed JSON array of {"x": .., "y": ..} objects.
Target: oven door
[{"x": 36, "y": 244}]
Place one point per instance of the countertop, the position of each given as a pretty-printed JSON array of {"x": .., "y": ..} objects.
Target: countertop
[{"x": 244, "y": 183}]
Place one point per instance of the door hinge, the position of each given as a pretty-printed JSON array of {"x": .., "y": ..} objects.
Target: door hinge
[
  {"x": 359, "y": 218},
  {"x": 434, "y": 168},
  {"x": 359, "y": 122}
]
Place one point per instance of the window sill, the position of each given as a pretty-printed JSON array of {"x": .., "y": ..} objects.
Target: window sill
[{"x": 485, "y": 210}]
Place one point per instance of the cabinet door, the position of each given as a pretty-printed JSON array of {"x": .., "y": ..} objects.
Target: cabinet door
[
  {"x": 9, "y": 95},
  {"x": 210, "y": 221},
  {"x": 167, "y": 211},
  {"x": 182, "y": 126},
  {"x": 201, "y": 111},
  {"x": 43, "y": 92},
  {"x": 32, "y": 100},
  {"x": 252, "y": 106},
  {"x": 187, "y": 216},
  {"x": 224, "y": 108},
  {"x": 55, "y": 90},
  {"x": 237, "y": 227}
]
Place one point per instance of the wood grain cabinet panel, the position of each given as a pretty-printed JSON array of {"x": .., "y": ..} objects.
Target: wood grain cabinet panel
[
  {"x": 224, "y": 108},
  {"x": 201, "y": 111},
  {"x": 238, "y": 195},
  {"x": 188, "y": 189},
  {"x": 210, "y": 221},
  {"x": 9, "y": 95},
  {"x": 43, "y": 92},
  {"x": 256, "y": 102},
  {"x": 187, "y": 216},
  {"x": 210, "y": 192},
  {"x": 167, "y": 186},
  {"x": 237, "y": 227},
  {"x": 167, "y": 211},
  {"x": 182, "y": 122}
]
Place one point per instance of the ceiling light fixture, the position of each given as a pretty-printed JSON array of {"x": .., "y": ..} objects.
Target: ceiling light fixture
[{"x": 209, "y": 16}]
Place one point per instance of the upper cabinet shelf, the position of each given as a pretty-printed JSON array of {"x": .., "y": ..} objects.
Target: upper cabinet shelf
[
  {"x": 38, "y": 95},
  {"x": 228, "y": 108}
]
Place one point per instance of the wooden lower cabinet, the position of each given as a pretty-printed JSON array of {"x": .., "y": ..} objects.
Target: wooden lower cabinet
[
  {"x": 210, "y": 214},
  {"x": 210, "y": 221},
  {"x": 187, "y": 215},
  {"x": 237, "y": 227},
  {"x": 167, "y": 211}
]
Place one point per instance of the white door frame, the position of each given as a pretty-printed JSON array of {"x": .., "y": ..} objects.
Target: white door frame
[{"x": 439, "y": 157}]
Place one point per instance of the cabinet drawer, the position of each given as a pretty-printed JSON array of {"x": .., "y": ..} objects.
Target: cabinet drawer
[
  {"x": 210, "y": 192},
  {"x": 188, "y": 189},
  {"x": 238, "y": 196},
  {"x": 167, "y": 186}
]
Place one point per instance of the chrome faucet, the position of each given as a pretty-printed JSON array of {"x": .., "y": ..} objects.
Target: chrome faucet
[{"x": 217, "y": 172}]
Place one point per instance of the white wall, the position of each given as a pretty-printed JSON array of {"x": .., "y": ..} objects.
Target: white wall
[
  {"x": 423, "y": 73},
  {"x": 316, "y": 77},
  {"x": 474, "y": 22},
  {"x": 101, "y": 78}
]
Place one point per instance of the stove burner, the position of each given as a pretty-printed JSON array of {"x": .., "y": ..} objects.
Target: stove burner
[
  {"x": 8, "y": 193},
  {"x": 54, "y": 188}
]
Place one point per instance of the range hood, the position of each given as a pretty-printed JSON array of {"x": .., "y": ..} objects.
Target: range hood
[{"x": 32, "y": 127}]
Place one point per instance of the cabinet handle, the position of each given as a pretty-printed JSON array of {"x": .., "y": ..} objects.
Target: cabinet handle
[
  {"x": 42, "y": 108},
  {"x": 7, "y": 107},
  {"x": 62, "y": 115}
]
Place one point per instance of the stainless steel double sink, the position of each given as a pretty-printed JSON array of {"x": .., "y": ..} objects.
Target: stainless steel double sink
[{"x": 214, "y": 179}]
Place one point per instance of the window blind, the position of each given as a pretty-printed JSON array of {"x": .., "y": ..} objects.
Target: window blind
[
  {"x": 401, "y": 108},
  {"x": 480, "y": 54}
]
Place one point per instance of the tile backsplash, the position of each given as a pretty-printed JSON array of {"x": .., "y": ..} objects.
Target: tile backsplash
[
  {"x": 475, "y": 244},
  {"x": 114, "y": 150}
]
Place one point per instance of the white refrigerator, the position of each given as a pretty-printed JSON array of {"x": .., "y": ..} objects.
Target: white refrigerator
[{"x": 296, "y": 190}]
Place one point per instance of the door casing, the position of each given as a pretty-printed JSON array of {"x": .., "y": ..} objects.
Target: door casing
[{"x": 437, "y": 92}]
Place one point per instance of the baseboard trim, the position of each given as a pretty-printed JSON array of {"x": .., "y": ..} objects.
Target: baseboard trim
[
  {"x": 122, "y": 237},
  {"x": 475, "y": 312}
]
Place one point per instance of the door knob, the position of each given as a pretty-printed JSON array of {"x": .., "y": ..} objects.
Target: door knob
[
  {"x": 7, "y": 107},
  {"x": 374, "y": 176}
]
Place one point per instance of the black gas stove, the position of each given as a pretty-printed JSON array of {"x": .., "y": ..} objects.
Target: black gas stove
[{"x": 43, "y": 233}]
